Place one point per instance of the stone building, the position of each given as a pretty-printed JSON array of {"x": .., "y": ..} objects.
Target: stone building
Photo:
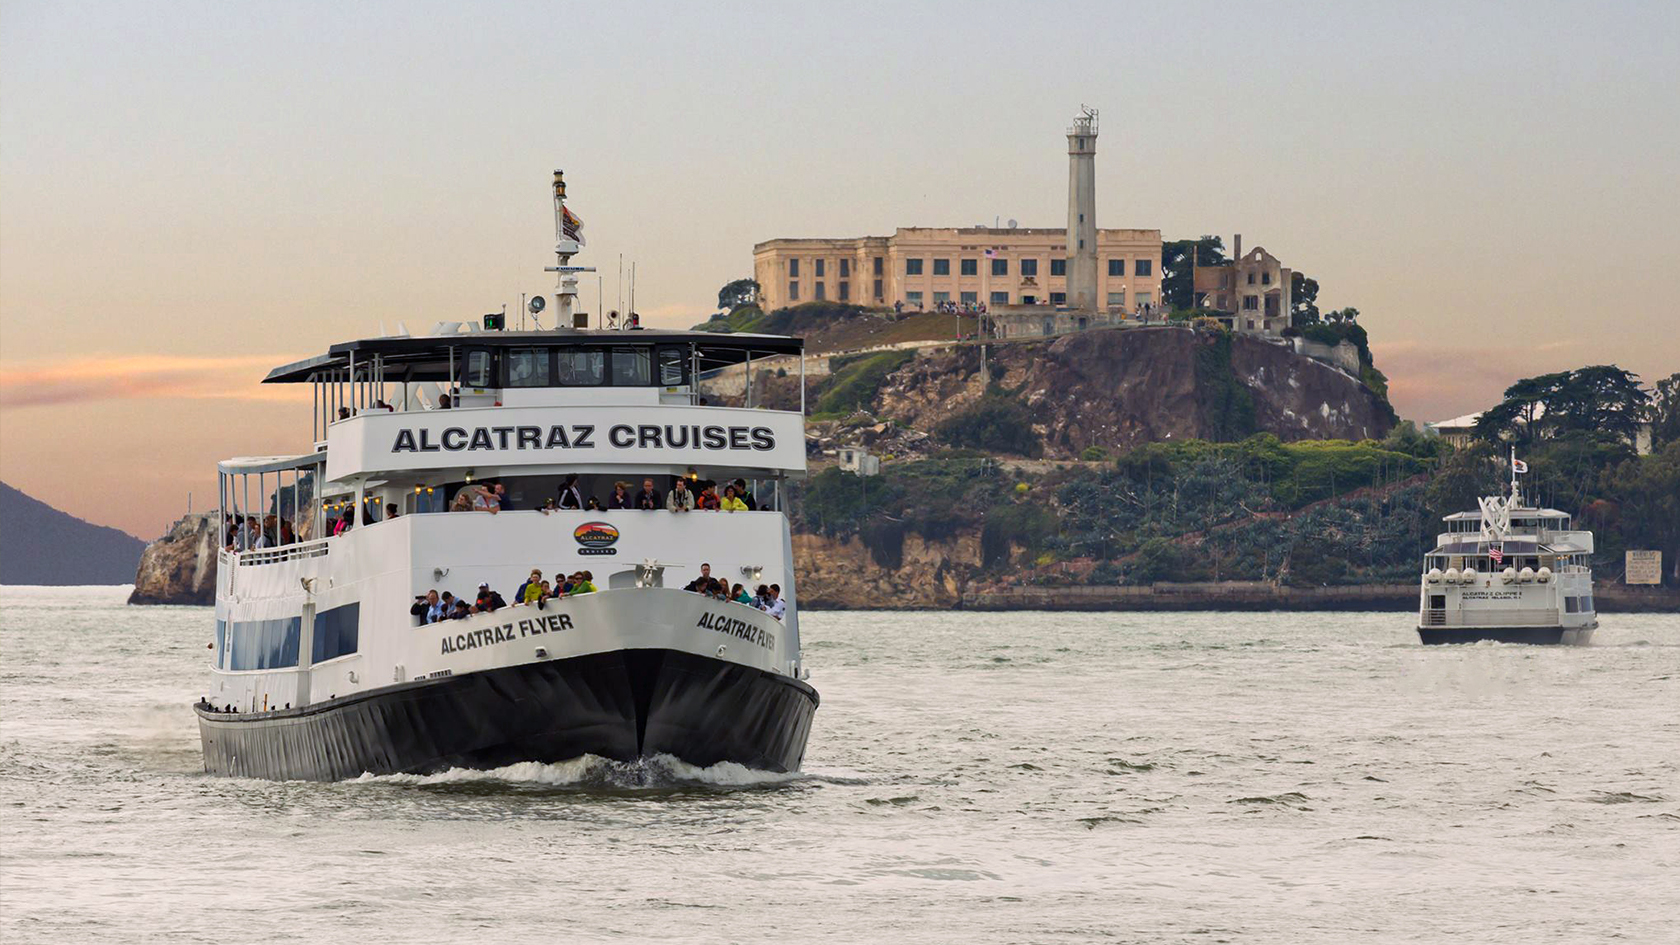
[
  {"x": 921, "y": 267},
  {"x": 1251, "y": 291},
  {"x": 927, "y": 268}
]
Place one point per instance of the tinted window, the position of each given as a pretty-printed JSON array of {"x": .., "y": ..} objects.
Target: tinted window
[
  {"x": 336, "y": 632},
  {"x": 581, "y": 367},
  {"x": 527, "y": 367},
  {"x": 632, "y": 367},
  {"x": 475, "y": 371},
  {"x": 264, "y": 644},
  {"x": 672, "y": 361}
]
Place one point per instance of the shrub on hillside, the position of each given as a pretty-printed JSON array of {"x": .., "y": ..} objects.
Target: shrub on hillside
[{"x": 998, "y": 423}]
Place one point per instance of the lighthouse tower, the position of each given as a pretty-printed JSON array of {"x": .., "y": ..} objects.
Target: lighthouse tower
[{"x": 1082, "y": 212}]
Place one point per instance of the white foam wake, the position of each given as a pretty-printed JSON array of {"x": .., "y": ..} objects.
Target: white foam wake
[{"x": 593, "y": 771}]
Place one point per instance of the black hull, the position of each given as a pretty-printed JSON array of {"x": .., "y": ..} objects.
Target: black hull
[
  {"x": 623, "y": 704},
  {"x": 1542, "y": 636}
]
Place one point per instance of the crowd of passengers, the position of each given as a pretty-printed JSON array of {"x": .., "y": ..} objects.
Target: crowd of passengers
[
  {"x": 767, "y": 598},
  {"x": 703, "y": 495},
  {"x": 249, "y": 532},
  {"x": 435, "y": 607}
]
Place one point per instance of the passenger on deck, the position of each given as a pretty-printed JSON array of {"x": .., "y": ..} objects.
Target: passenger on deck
[
  {"x": 761, "y": 596},
  {"x": 592, "y": 504},
  {"x": 551, "y": 504},
  {"x": 523, "y": 595},
  {"x": 447, "y": 600},
  {"x": 490, "y": 498},
  {"x": 344, "y": 413},
  {"x": 731, "y": 501},
  {"x": 739, "y": 595},
  {"x": 680, "y": 499},
  {"x": 745, "y": 496},
  {"x": 648, "y": 498},
  {"x": 620, "y": 498},
  {"x": 461, "y": 612},
  {"x": 699, "y": 583},
  {"x": 391, "y": 511},
  {"x": 570, "y": 496},
  {"x": 488, "y": 600},
  {"x": 776, "y": 607},
  {"x": 707, "y": 500},
  {"x": 585, "y": 584},
  {"x": 443, "y": 402},
  {"x": 346, "y": 521},
  {"x": 426, "y": 606}
]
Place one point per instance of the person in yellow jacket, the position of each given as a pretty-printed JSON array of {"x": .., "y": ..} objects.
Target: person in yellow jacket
[{"x": 731, "y": 501}]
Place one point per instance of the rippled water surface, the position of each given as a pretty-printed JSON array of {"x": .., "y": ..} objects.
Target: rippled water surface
[{"x": 971, "y": 778}]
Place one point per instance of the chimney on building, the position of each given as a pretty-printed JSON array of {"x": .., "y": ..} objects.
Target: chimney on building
[
  {"x": 1082, "y": 212},
  {"x": 1236, "y": 246}
]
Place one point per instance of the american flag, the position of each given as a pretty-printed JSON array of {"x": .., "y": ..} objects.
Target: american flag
[
  {"x": 1496, "y": 553},
  {"x": 991, "y": 252}
]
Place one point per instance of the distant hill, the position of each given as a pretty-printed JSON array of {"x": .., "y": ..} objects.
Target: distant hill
[{"x": 41, "y": 545}]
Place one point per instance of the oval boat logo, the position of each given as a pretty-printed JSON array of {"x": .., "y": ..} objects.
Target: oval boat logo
[{"x": 596, "y": 535}]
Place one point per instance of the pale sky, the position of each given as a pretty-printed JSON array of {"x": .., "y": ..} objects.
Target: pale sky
[{"x": 190, "y": 193}]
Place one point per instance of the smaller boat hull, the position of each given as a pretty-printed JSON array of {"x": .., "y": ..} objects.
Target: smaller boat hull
[
  {"x": 1543, "y": 636},
  {"x": 621, "y": 704}
]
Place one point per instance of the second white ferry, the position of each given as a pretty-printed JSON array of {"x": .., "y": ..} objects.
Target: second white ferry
[
  {"x": 328, "y": 661},
  {"x": 1510, "y": 573}
]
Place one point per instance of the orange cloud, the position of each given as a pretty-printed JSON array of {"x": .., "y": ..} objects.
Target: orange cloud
[{"x": 144, "y": 377}]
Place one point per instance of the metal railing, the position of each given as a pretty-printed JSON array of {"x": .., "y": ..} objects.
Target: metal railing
[{"x": 259, "y": 556}]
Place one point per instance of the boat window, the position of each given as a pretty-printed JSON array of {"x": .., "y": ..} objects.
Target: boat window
[
  {"x": 1571, "y": 605},
  {"x": 527, "y": 367},
  {"x": 673, "y": 365},
  {"x": 336, "y": 632},
  {"x": 632, "y": 367},
  {"x": 476, "y": 369},
  {"x": 264, "y": 644},
  {"x": 581, "y": 367}
]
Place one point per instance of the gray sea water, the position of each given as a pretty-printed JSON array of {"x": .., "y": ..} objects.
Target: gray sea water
[{"x": 1020, "y": 777}]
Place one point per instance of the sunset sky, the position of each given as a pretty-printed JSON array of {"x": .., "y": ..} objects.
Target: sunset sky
[{"x": 192, "y": 193}]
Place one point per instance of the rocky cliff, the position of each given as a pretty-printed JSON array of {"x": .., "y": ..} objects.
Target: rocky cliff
[
  {"x": 180, "y": 567},
  {"x": 1120, "y": 388}
]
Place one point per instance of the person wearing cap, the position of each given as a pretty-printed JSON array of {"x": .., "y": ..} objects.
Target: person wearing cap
[{"x": 488, "y": 600}]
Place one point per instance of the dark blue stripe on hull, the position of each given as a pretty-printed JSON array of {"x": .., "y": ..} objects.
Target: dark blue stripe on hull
[
  {"x": 1538, "y": 635},
  {"x": 621, "y": 705}
]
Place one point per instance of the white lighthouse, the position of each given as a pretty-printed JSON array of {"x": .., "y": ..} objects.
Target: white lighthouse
[{"x": 1082, "y": 212}]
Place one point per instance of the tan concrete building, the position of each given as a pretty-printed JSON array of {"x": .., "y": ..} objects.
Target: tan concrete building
[
  {"x": 922, "y": 267},
  {"x": 1253, "y": 290}
]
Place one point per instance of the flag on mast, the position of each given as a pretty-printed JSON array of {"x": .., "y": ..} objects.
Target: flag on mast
[
  {"x": 1518, "y": 466},
  {"x": 571, "y": 225}
]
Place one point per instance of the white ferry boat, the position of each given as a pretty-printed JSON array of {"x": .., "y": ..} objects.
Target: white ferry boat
[
  {"x": 1509, "y": 572},
  {"x": 325, "y": 663}
]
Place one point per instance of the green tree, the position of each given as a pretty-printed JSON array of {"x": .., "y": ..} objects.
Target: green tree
[
  {"x": 1646, "y": 490},
  {"x": 1176, "y": 288},
  {"x": 1602, "y": 398},
  {"x": 1665, "y": 412},
  {"x": 1303, "y": 300},
  {"x": 738, "y": 293}
]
